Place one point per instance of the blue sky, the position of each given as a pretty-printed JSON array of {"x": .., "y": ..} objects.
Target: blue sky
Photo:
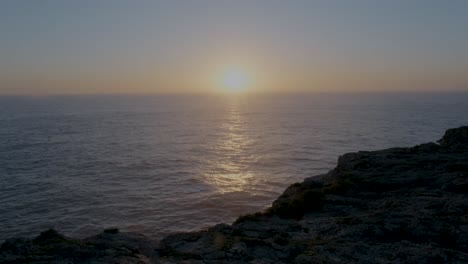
[{"x": 108, "y": 46}]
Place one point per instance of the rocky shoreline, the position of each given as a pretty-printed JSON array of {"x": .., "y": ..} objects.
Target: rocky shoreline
[{"x": 398, "y": 205}]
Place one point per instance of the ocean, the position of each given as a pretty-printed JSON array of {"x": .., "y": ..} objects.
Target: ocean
[{"x": 157, "y": 164}]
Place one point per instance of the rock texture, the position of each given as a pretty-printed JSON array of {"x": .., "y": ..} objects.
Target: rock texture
[
  {"x": 399, "y": 205},
  {"x": 109, "y": 247}
]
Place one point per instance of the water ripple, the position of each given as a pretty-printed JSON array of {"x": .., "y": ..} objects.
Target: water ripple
[{"x": 161, "y": 164}]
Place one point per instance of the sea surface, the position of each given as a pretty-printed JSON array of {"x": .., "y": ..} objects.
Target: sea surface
[{"x": 157, "y": 164}]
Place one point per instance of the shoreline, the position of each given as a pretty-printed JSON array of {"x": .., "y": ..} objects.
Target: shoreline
[{"x": 394, "y": 205}]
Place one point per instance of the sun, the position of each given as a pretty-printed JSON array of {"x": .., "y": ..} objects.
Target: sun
[{"x": 235, "y": 80}]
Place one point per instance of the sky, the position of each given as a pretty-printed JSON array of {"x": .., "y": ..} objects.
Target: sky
[{"x": 184, "y": 46}]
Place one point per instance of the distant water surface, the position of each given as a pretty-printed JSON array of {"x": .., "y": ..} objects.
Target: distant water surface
[{"x": 161, "y": 164}]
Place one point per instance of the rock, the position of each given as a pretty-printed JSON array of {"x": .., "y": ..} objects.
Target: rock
[
  {"x": 16, "y": 246},
  {"x": 455, "y": 137},
  {"x": 52, "y": 247},
  {"x": 398, "y": 205}
]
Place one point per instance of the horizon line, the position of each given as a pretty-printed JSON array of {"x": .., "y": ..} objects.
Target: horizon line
[{"x": 463, "y": 91}]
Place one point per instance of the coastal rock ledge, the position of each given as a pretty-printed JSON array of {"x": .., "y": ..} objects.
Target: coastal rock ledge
[{"x": 398, "y": 205}]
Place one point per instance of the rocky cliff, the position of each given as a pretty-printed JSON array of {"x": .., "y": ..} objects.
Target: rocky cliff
[{"x": 399, "y": 205}]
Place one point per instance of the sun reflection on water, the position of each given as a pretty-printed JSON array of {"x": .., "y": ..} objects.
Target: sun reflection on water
[{"x": 229, "y": 171}]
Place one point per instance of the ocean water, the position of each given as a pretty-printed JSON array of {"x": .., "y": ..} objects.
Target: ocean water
[{"x": 166, "y": 163}]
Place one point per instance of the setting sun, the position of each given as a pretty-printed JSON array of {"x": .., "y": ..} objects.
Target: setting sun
[{"x": 235, "y": 80}]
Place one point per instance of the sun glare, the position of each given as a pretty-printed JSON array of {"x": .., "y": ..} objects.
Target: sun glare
[{"x": 235, "y": 80}]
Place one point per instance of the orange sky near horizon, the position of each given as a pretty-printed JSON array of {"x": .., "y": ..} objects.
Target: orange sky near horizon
[{"x": 61, "y": 47}]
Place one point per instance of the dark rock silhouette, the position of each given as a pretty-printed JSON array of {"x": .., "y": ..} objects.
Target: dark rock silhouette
[
  {"x": 455, "y": 137},
  {"x": 51, "y": 247},
  {"x": 399, "y": 205}
]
